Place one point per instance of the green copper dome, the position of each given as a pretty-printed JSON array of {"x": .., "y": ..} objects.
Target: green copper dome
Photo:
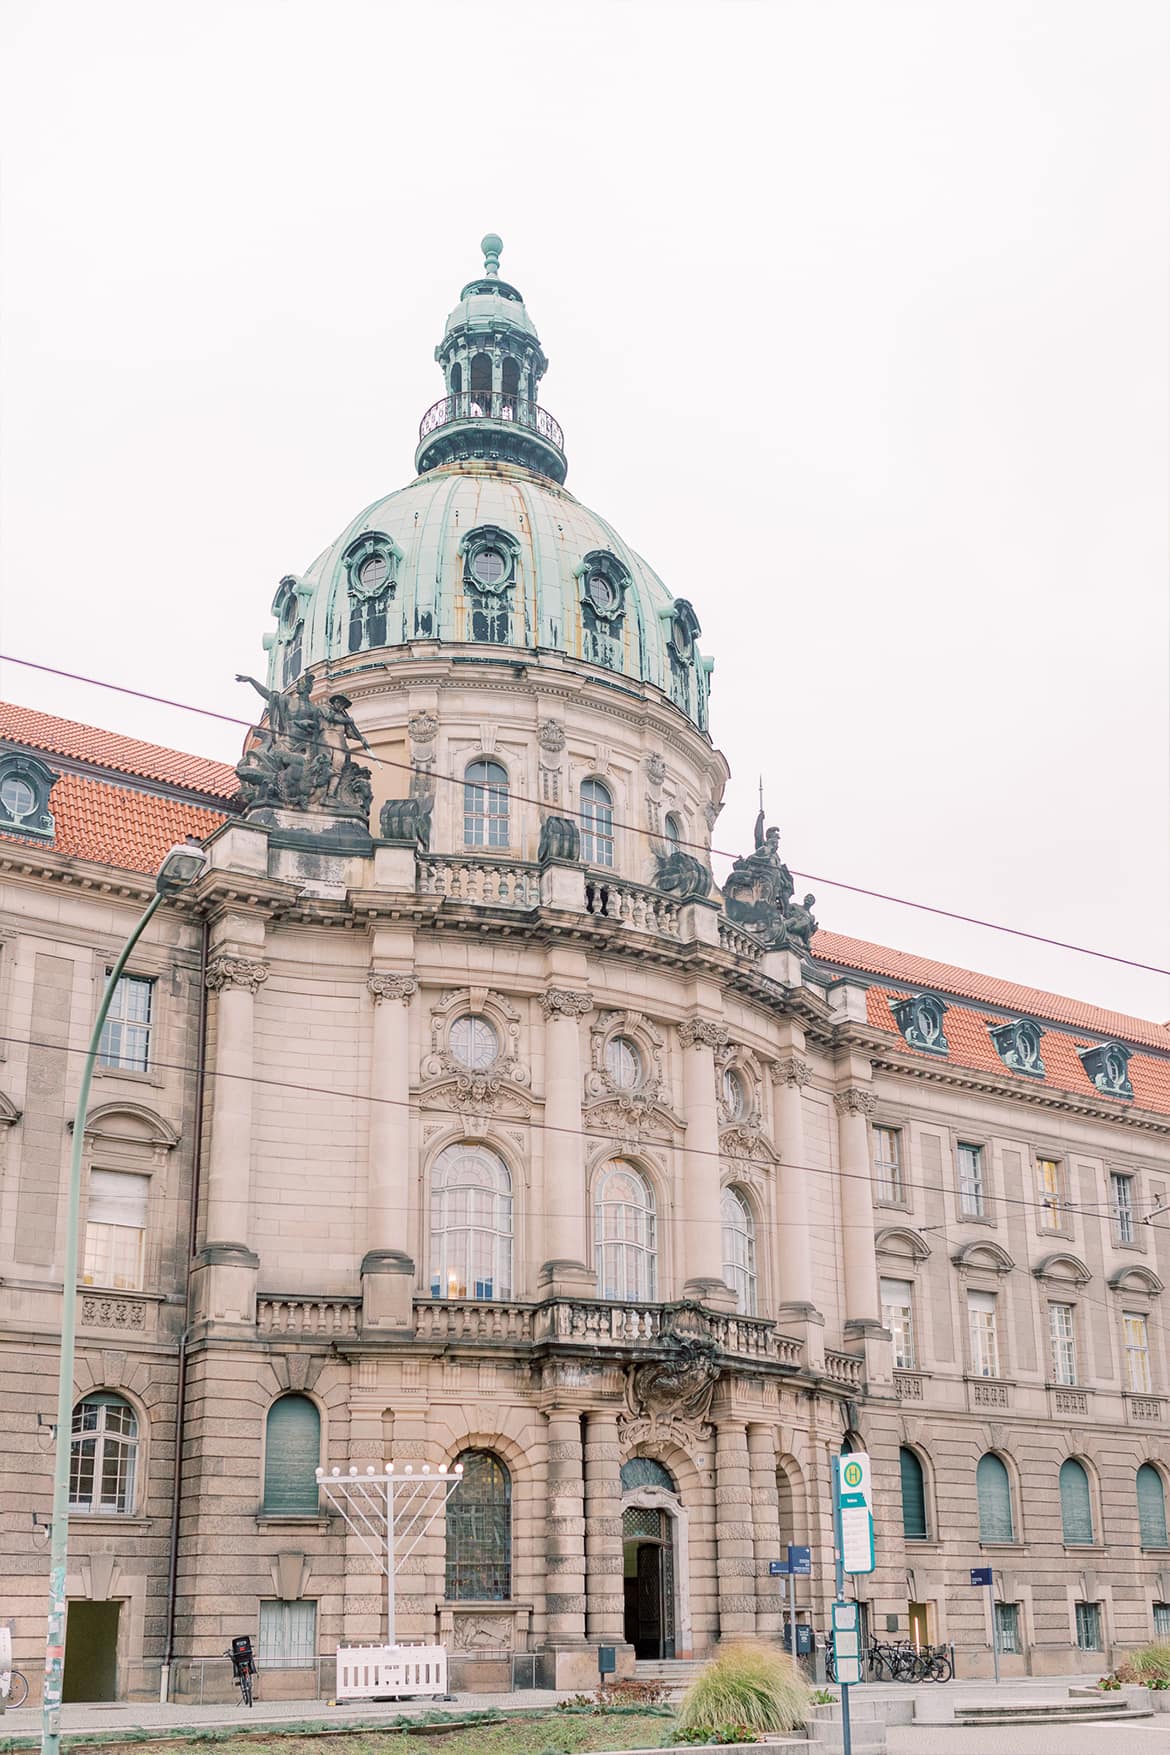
[{"x": 486, "y": 548}]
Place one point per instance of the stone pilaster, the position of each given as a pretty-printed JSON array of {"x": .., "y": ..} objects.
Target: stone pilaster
[
  {"x": 604, "y": 1599},
  {"x": 388, "y": 1269},
  {"x": 702, "y": 1226},
  {"x": 854, "y": 1106},
  {"x": 796, "y": 1309},
  {"x": 227, "y": 1267},
  {"x": 565, "y": 1548},
  {"x": 565, "y": 1270},
  {"x": 735, "y": 1559},
  {"x": 761, "y": 1442}
]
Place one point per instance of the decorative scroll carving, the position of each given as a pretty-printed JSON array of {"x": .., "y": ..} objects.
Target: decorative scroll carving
[
  {"x": 655, "y": 768},
  {"x": 236, "y": 972},
  {"x": 476, "y": 1087},
  {"x": 703, "y": 1033},
  {"x": 123, "y": 1313},
  {"x": 855, "y": 1101},
  {"x": 384, "y": 985},
  {"x": 792, "y": 1071},
  {"x": 669, "y": 1399},
  {"x": 551, "y": 736},
  {"x": 565, "y": 1003}
]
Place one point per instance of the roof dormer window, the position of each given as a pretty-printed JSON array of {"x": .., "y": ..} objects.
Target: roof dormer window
[
  {"x": 25, "y": 785},
  {"x": 1018, "y": 1045},
  {"x": 1107, "y": 1064},
  {"x": 919, "y": 1016}
]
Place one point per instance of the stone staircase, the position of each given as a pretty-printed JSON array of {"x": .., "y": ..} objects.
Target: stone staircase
[
  {"x": 1073, "y": 1711},
  {"x": 676, "y": 1673}
]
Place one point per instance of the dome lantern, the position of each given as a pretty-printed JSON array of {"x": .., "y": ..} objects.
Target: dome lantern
[{"x": 492, "y": 365}]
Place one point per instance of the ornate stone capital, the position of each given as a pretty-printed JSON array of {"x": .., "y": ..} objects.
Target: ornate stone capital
[
  {"x": 792, "y": 1071},
  {"x": 563, "y": 1002},
  {"x": 855, "y": 1101},
  {"x": 703, "y": 1033},
  {"x": 387, "y": 986},
  {"x": 236, "y": 972}
]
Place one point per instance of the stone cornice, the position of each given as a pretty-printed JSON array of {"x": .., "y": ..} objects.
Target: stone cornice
[
  {"x": 564, "y": 1002},
  {"x": 386, "y": 985},
  {"x": 1033, "y": 1095},
  {"x": 236, "y": 972}
]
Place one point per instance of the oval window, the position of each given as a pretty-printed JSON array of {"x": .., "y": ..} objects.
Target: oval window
[
  {"x": 17, "y": 797},
  {"x": 473, "y": 1042},
  {"x": 373, "y": 572},
  {"x": 489, "y": 566},
  {"x": 603, "y": 594},
  {"x": 682, "y": 637},
  {"x": 734, "y": 1094},
  {"x": 623, "y": 1063}
]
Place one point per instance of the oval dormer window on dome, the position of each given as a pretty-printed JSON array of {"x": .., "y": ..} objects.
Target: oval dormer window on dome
[
  {"x": 682, "y": 632},
  {"x": 604, "y": 582},
  {"x": 490, "y": 557},
  {"x": 371, "y": 575},
  {"x": 288, "y": 608}
]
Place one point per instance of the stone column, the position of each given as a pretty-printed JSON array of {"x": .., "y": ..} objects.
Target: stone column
[
  {"x": 388, "y": 1269},
  {"x": 702, "y": 1227},
  {"x": 796, "y": 1304},
  {"x": 229, "y": 1292},
  {"x": 565, "y": 1548},
  {"x": 735, "y": 1562},
  {"x": 567, "y": 1252},
  {"x": 604, "y": 1596},
  {"x": 765, "y": 1525},
  {"x": 862, "y": 1308}
]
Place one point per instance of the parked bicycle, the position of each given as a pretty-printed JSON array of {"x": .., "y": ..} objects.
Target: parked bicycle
[
  {"x": 17, "y": 1690},
  {"x": 899, "y": 1661},
  {"x": 243, "y": 1667}
]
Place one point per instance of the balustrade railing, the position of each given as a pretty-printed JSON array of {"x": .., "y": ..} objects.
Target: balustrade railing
[
  {"x": 848, "y": 1368},
  {"x": 493, "y": 883},
  {"x": 600, "y": 1324},
  {"x": 307, "y": 1316},
  {"x": 739, "y": 943},
  {"x": 444, "y": 1319},
  {"x": 609, "y": 898},
  {"x": 472, "y": 405}
]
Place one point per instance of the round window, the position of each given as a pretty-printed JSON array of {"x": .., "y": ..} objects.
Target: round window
[
  {"x": 623, "y": 1063},
  {"x": 373, "y": 572},
  {"x": 734, "y": 1094},
  {"x": 18, "y": 798},
  {"x": 682, "y": 637},
  {"x": 473, "y": 1042},
  {"x": 603, "y": 593},
  {"x": 288, "y": 610},
  {"x": 489, "y": 566}
]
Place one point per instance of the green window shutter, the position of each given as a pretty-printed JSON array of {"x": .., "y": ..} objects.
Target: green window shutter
[
  {"x": 1151, "y": 1498},
  {"x": 913, "y": 1497},
  {"x": 1076, "y": 1509},
  {"x": 292, "y": 1451},
  {"x": 995, "y": 1500}
]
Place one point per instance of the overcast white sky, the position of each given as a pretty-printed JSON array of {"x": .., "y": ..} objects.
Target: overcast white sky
[{"x": 857, "y": 321}]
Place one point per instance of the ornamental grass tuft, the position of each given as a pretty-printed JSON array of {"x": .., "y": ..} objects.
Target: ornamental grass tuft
[
  {"x": 749, "y": 1683},
  {"x": 1150, "y": 1663}
]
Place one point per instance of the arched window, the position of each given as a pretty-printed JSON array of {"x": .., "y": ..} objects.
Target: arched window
[
  {"x": 510, "y": 385},
  {"x": 103, "y": 1455},
  {"x": 481, "y": 384},
  {"x": 456, "y": 378},
  {"x": 596, "y": 823},
  {"x": 479, "y": 1531},
  {"x": 1151, "y": 1498},
  {"x": 673, "y": 830},
  {"x": 292, "y": 1451},
  {"x": 485, "y": 805},
  {"x": 1076, "y": 1504},
  {"x": 994, "y": 1491},
  {"x": 625, "y": 1236},
  {"x": 735, "y": 1097},
  {"x": 292, "y": 654},
  {"x": 913, "y": 1496},
  {"x": 471, "y": 1224},
  {"x": 643, "y": 1471},
  {"x": 739, "y": 1249}
]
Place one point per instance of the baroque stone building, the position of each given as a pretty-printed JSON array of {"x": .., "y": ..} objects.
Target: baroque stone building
[{"x": 458, "y": 1115}]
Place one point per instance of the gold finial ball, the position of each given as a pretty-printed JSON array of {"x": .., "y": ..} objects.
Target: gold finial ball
[{"x": 491, "y": 246}]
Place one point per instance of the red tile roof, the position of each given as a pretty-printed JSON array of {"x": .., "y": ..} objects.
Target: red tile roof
[
  {"x": 113, "y": 825},
  {"x": 109, "y": 749},
  {"x": 944, "y": 978},
  {"x": 970, "y": 1045}
]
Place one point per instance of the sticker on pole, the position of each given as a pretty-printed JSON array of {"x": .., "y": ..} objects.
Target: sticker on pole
[{"x": 856, "y": 1513}]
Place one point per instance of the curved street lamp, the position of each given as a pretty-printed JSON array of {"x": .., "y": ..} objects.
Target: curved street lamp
[{"x": 182, "y": 865}]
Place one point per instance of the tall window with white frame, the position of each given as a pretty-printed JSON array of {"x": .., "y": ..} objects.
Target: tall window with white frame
[
  {"x": 984, "y": 1334},
  {"x": 596, "y": 823},
  {"x": 125, "y": 1041},
  {"x": 971, "y": 1201},
  {"x": 625, "y": 1234},
  {"x": 1048, "y": 1195},
  {"x": 1121, "y": 1201},
  {"x": 103, "y": 1455},
  {"x": 471, "y": 1224},
  {"x": 739, "y": 1250},
  {"x": 898, "y": 1316},
  {"x": 887, "y": 1164},
  {"x": 1062, "y": 1343},
  {"x": 485, "y": 805},
  {"x": 1136, "y": 1330},
  {"x": 115, "y": 1230}
]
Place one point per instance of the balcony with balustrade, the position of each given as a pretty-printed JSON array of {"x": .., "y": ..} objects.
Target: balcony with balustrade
[{"x": 496, "y": 426}]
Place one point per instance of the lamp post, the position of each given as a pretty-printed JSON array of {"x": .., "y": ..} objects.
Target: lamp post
[{"x": 182, "y": 865}]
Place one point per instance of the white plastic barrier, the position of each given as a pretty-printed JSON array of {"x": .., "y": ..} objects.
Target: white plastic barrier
[{"x": 366, "y": 1671}]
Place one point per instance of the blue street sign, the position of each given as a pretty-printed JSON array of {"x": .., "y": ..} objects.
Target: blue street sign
[
  {"x": 778, "y": 1568},
  {"x": 800, "y": 1561},
  {"x": 981, "y": 1575}
]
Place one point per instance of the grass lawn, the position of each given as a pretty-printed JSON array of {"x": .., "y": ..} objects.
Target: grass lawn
[{"x": 567, "y": 1733}]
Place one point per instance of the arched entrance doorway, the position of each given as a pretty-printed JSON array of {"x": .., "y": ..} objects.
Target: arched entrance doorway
[{"x": 654, "y": 1561}]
